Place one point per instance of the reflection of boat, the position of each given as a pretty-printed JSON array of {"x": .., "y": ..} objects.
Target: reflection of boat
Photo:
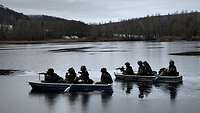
[
  {"x": 169, "y": 79},
  {"x": 171, "y": 88},
  {"x": 61, "y": 87},
  {"x": 120, "y": 76}
]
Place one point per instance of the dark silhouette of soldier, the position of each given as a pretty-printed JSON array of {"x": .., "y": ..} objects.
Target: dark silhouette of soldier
[
  {"x": 51, "y": 76},
  {"x": 105, "y": 77}
]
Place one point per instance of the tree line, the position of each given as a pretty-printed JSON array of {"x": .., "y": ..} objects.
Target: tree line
[{"x": 181, "y": 26}]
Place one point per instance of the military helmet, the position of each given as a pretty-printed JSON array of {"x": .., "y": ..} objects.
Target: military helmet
[
  {"x": 145, "y": 63},
  {"x": 127, "y": 64},
  {"x": 171, "y": 62},
  {"x": 71, "y": 70},
  {"x": 83, "y": 68},
  {"x": 103, "y": 70},
  {"x": 50, "y": 70},
  {"x": 139, "y": 62}
]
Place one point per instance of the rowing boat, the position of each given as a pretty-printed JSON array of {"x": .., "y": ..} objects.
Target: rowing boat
[
  {"x": 61, "y": 87},
  {"x": 154, "y": 78}
]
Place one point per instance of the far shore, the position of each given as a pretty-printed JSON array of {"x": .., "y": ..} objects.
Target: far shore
[
  {"x": 79, "y": 40},
  {"x": 61, "y": 41}
]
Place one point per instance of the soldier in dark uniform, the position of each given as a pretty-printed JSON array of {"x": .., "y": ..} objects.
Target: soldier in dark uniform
[
  {"x": 70, "y": 76},
  {"x": 128, "y": 70},
  {"x": 84, "y": 77},
  {"x": 172, "y": 69},
  {"x": 50, "y": 76},
  {"x": 147, "y": 68},
  {"x": 105, "y": 77},
  {"x": 141, "y": 69}
]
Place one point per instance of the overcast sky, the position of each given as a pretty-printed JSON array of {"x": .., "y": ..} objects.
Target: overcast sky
[{"x": 100, "y": 10}]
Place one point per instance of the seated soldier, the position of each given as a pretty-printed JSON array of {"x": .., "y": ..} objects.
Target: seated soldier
[
  {"x": 147, "y": 68},
  {"x": 163, "y": 72},
  {"x": 70, "y": 76},
  {"x": 128, "y": 70},
  {"x": 105, "y": 77},
  {"x": 84, "y": 77},
  {"x": 172, "y": 69},
  {"x": 50, "y": 76},
  {"x": 141, "y": 69}
]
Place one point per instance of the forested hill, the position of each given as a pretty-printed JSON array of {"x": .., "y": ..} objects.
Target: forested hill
[
  {"x": 176, "y": 26},
  {"x": 17, "y": 26},
  {"x": 8, "y": 16},
  {"x": 45, "y": 18}
]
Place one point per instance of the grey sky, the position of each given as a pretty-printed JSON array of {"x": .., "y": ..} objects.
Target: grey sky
[{"x": 100, "y": 10}]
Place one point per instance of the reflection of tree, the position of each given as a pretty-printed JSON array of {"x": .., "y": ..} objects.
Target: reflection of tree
[{"x": 144, "y": 88}]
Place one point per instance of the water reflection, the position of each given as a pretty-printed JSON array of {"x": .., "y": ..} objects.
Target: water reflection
[
  {"x": 49, "y": 98},
  {"x": 78, "y": 99},
  {"x": 171, "y": 88},
  {"x": 105, "y": 99},
  {"x": 72, "y": 97},
  {"x": 144, "y": 89}
]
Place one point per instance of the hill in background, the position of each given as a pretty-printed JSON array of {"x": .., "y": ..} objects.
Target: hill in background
[{"x": 177, "y": 26}]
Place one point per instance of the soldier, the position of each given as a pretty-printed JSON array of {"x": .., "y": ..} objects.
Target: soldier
[
  {"x": 128, "y": 70},
  {"x": 141, "y": 69},
  {"x": 70, "y": 76},
  {"x": 50, "y": 76},
  {"x": 172, "y": 69},
  {"x": 105, "y": 77},
  {"x": 84, "y": 77},
  {"x": 147, "y": 68},
  {"x": 163, "y": 72}
]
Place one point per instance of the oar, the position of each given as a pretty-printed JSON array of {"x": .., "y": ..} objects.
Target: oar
[
  {"x": 156, "y": 77},
  {"x": 68, "y": 88}
]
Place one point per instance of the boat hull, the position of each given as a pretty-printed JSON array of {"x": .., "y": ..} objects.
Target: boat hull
[
  {"x": 169, "y": 79},
  {"x": 61, "y": 87},
  {"x": 134, "y": 77},
  {"x": 155, "y": 78}
]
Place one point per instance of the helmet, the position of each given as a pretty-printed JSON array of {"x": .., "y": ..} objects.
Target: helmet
[
  {"x": 83, "y": 68},
  {"x": 127, "y": 64},
  {"x": 50, "y": 70},
  {"x": 145, "y": 63},
  {"x": 139, "y": 62},
  {"x": 71, "y": 70},
  {"x": 103, "y": 70},
  {"x": 171, "y": 62}
]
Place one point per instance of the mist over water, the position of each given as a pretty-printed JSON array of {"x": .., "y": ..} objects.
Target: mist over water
[{"x": 16, "y": 95}]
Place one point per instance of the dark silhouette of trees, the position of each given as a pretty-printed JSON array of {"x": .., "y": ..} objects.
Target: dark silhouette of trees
[
  {"x": 17, "y": 26},
  {"x": 184, "y": 25}
]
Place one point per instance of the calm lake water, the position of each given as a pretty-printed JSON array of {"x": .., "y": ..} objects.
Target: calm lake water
[{"x": 16, "y": 95}]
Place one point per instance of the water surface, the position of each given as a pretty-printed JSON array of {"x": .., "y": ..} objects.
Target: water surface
[{"x": 16, "y": 95}]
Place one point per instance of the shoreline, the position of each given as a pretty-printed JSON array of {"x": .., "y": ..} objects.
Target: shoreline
[{"x": 81, "y": 40}]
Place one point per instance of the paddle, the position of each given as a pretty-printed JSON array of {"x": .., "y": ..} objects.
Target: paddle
[{"x": 68, "y": 89}]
